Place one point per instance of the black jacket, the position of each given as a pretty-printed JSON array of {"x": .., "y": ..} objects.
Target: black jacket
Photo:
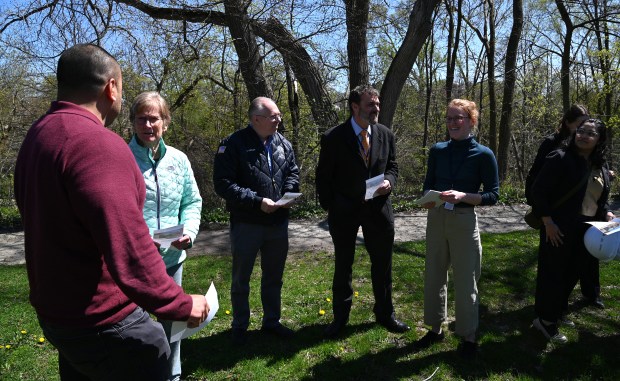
[
  {"x": 561, "y": 172},
  {"x": 241, "y": 175},
  {"x": 341, "y": 173}
]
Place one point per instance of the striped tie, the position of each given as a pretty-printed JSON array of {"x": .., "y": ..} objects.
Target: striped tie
[{"x": 365, "y": 145}]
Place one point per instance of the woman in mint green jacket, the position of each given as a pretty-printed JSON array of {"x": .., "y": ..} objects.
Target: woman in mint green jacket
[{"x": 172, "y": 196}]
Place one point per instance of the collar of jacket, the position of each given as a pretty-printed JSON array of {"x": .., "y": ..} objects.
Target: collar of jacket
[{"x": 144, "y": 153}]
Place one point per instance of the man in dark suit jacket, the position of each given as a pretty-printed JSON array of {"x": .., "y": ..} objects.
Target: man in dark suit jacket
[{"x": 345, "y": 163}]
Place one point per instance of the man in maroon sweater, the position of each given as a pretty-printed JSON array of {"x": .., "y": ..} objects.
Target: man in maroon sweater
[{"x": 92, "y": 265}]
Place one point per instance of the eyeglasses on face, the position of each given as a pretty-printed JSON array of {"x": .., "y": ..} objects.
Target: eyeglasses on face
[
  {"x": 150, "y": 119},
  {"x": 457, "y": 119},
  {"x": 272, "y": 118},
  {"x": 590, "y": 133}
]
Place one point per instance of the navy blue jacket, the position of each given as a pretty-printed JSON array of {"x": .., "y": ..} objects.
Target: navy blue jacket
[{"x": 242, "y": 176}]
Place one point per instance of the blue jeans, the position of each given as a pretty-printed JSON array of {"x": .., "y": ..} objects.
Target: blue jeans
[
  {"x": 176, "y": 273},
  {"x": 246, "y": 240},
  {"x": 134, "y": 349}
]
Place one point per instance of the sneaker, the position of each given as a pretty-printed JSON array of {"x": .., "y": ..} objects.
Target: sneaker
[
  {"x": 565, "y": 320},
  {"x": 429, "y": 339},
  {"x": 550, "y": 331}
]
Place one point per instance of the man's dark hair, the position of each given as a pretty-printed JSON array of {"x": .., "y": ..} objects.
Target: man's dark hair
[
  {"x": 83, "y": 70},
  {"x": 355, "y": 96}
]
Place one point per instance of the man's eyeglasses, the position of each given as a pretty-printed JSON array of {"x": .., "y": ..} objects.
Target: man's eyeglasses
[
  {"x": 150, "y": 119},
  {"x": 272, "y": 118},
  {"x": 583, "y": 131},
  {"x": 457, "y": 119}
]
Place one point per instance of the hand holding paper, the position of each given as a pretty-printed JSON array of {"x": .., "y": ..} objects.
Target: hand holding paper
[
  {"x": 430, "y": 196},
  {"x": 287, "y": 198},
  {"x": 372, "y": 185},
  {"x": 165, "y": 237},
  {"x": 180, "y": 330}
]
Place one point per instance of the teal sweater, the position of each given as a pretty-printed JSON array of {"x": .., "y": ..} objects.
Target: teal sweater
[
  {"x": 172, "y": 195},
  {"x": 463, "y": 165}
]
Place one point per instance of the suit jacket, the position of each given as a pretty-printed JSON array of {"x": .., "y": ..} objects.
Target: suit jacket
[{"x": 341, "y": 172}]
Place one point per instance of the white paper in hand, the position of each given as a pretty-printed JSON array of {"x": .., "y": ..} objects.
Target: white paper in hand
[
  {"x": 180, "y": 330},
  {"x": 430, "y": 196},
  {"x": 372, "y": 185},
  {"x": 166, "y": 236}
]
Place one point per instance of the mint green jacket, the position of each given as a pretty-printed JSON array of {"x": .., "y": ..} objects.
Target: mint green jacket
[{"x": 172, "y": 195}]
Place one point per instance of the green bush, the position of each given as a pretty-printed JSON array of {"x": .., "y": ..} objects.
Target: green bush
[{"x": 9, "y": 217}]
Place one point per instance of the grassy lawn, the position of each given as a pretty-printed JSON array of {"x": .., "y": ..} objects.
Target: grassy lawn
[{"x": 510, "y": 349}]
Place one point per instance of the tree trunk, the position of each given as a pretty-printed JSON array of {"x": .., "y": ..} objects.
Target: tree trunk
[
  {"x": 420, "y": 24},
  {"x": 565, "y": 68},
  {"x": 510, "y": 79},
  {"x": 247, "y": 49},
  {"x": 357, "y": 43}
]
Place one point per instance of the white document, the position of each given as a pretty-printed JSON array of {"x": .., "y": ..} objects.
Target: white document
[
  {"x": 430, "y": 196},
  {"x": 606, "y": 228},
  {"x": 180, "y": 330},
  {"x": 372, "y": 185},
  {"x": 288, "y": 197},
  {"x": 168, "y": 235}
]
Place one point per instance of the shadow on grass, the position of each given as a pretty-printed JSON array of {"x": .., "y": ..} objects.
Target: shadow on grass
[{"x": 217, "y": 352}]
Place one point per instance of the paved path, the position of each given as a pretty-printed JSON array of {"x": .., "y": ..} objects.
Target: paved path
[{"x": 311, "y": 235}]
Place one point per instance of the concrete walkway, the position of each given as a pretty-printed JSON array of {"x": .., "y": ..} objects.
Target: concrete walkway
[{"x": 311, "y": 235}]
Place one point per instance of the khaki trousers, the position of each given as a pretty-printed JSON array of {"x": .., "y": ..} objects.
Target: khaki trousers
[{"x": 452, "y": 239}]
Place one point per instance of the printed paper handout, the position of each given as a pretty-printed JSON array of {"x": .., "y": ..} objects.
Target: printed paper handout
[
  {"x": 372, "y": 185},
  {"x": 287, "y": 198},
  {"x": 430, "y": 196},
  {"x": 180, "y": 330},
  {"x": 606, "y": 228},
  {"x": 168, "y": 235}
]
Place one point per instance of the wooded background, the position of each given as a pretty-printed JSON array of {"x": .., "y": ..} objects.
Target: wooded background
[{"x": 523, "y": 62}]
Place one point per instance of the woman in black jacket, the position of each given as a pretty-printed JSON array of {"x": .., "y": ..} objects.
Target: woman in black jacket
[
  {"x": 570, "y": 120},
  {"x": 579, "y": 170}
]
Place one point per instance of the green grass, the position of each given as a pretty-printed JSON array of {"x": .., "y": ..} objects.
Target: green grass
[{"x": 510, "y": 348}]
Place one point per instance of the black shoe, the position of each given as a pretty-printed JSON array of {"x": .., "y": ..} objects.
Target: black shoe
[
  {"x": 334, "y": 328},
  {"x": 279, "y": 331},
  {"x": 429, "y": 339},
  {"x": 598, "y": 303},
  {"x": 468, "y": 349},
  {"x": 394, "y": 325},
  {"x": 239, "y": 336}
]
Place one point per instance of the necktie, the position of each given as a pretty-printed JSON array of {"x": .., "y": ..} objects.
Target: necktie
[{"x": 365, "y": 145}]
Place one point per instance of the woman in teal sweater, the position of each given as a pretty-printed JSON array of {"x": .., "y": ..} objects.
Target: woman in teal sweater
[{"x": 456, "y": 168}]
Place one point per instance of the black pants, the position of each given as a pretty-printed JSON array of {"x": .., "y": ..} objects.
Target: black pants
[
  {"x": 559, "y": 269},
  {"x": 378, "y": 231}
]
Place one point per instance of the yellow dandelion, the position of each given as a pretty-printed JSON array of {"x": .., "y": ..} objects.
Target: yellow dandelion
[
  {"x": 227, "y": 312},
  {"x": 328, "y": 299},
  {"x": 322, "y": 312},
  {"x": 23, "y": 331},
  {"x": 356, "y": 294},
  {"x": 41, "y": 339},
  {"x": 8, "y": 346}
]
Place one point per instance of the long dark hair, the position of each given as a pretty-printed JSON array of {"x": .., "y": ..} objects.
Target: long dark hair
[
  {"x": 597, "y": 157},
  {"x": 575, "y": 112}
]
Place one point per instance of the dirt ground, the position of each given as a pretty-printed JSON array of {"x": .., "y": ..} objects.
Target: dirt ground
[{"x": 311, "y": 235}]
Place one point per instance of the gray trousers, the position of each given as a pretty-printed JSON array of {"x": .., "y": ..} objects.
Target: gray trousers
[
  {"x": 246, "y": 241},
  {"x": 452, "y": 239}
]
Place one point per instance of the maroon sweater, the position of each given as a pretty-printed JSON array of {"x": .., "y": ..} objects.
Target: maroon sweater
[{"x": 89, "y": 254}]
